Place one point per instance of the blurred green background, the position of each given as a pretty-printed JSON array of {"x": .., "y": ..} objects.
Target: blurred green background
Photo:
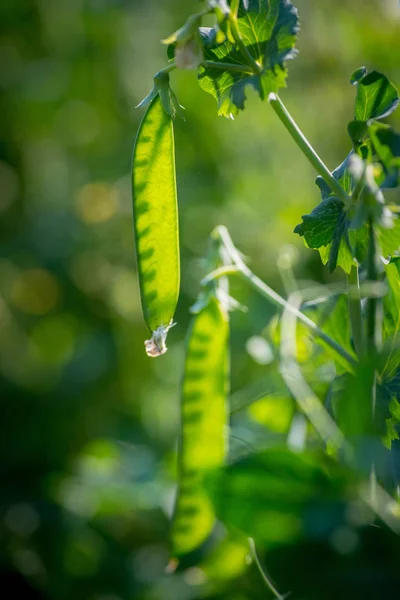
[{"x": 89, "y": 423}]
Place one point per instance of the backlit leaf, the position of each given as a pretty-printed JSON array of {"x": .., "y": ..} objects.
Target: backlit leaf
[
  {"x": 326, "y": 229},
  {"x": 357, "y": 75},
  {"x": 376, "y": 97},
  {"x": 269, "y": 495},
  {"x": 268, "y": 29},
  {"x": 319, "y": 226},
  {"x": 386, "y": 144}
]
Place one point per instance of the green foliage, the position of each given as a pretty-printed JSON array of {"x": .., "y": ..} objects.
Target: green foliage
[
  {"x": 336, "y": 230},
  {"x": 391, "y": 322},
  {"x": 333, "y": 317},
  {"x": 386, "y": 145},
  {"x": 358, "y": 74},
  {"x": 89, "y": 424},
  {"x": 269, "y": 494},
  {"x": 268, "y": 31},
  {"x": 376, "y": 97},
  {"x": 266, "y": 495},
  {"x": 327, "y": 226}
]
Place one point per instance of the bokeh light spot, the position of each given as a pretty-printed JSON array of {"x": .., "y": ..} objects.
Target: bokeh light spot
[
  {"x": 96, "y": 202},
  {"x": 77, "y": 123},
  {"x": 28, "y": 562},
  {"x": 9, "y": 186},
  {"x": 35, "y": 291},
  {"x": 22, "y": 519},
  {"x": 259, "y": 350},
  {"x": 125, "y": 296},
  {"x": 344, "y": 540},
  {"x": 91, "y": 272},
  {"x": 274, "y": 412},
  {"x": 84, "y": 553},
  {"x": 54, "y": 338}
]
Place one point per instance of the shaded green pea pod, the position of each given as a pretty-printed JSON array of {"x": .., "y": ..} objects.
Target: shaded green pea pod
[
  {"x": 204, "y": 419},
  {"x": 155, "y": 220}
]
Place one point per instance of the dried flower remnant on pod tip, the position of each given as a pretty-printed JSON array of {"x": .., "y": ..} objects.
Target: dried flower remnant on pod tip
[{"x": 156, "y": 346}]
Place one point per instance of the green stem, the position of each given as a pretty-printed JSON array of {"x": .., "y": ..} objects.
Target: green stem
[
  {"x": 373, "y": 324},
  {"x": 165, "y": 71},
  {"x": 354, "y": 302},
  {"x": 373, "y": 335},
  {"x": 235, "y": 8},
  {"x": 263, "y": 574},
  {"x": 275, "y": 298},
  {"x": 210, "y": 64},
  {"x": 306, "y": 148},
  {"x": 219, "y": 272},
  {"x": 255, "y": 67}
]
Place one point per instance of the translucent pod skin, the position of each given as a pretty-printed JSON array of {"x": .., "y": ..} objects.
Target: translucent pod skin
[
  {"x": 204, "y": 420},
  {"x": 155, "y": 221}
]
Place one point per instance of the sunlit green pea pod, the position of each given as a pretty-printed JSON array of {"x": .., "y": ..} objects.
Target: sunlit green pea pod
[
  {"x": 155, "y": 219},
  {"x": 204, "y": 419}
]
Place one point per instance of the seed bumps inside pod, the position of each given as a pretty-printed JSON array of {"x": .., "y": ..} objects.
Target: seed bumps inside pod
[{"x": 155, "y": 220}]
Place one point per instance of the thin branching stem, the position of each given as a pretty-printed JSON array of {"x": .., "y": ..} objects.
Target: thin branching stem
[
  {"x": 235, "y": 8},
  {"x": 210, "y": 64},
  {"x": 276, "y": 299},
  {"x": 373, "y": 336},
  {"x": 373, "y": 321},
  {"x": 166, "y": 70},
  {"x": 217, "y": 273},
  {"x": 355, "y": 312},
  {"x": 262, "y": 572}
]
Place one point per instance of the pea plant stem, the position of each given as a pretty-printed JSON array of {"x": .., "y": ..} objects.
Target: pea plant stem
[
  {"x": 235, "y": 8},
  {"x": 262, "y": 572},
  {"x": 373, "y": 336},
  {"x": 171, "y": 67},
  {"x": 306, "y": 148},
  {"x": 354, "y": 302},
  {"x": 275, "y": 298},
  {"x": 210, "y": 64},
  {"x": 373, "y": 325},
  {"x": 219, "y": 272}
]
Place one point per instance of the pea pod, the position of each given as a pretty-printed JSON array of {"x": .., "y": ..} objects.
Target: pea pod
[
  {"x": 204, "y": 415},
  {"x": 155, "y": 219}
]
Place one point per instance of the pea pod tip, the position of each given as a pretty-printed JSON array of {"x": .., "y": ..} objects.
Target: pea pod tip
[{"x": 156, "y": 345}]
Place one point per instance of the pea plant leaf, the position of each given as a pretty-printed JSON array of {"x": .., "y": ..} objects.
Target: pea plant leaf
[
  {"x": 333, "y": 317},
  {"x": 326, "y": 229},
  {"x": 268, "y": 29},
  {"x": 331, "y": 228},
  {"x": 338, "y": 240},
  {"x": 388, "y": 390},
  {"x": 268, "y": 495},
  {"x": 388, "y": 400},
  {"x": 391, "y": 321},
  {"x": 320, "y": 225},
  {"x": 358, "y": 420},
  {"x": 376, "y": 97},
  {"x": 358, "y": 74},
  {"x": 389, "y": 239},
  {"x": 386, "y": 145}
]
